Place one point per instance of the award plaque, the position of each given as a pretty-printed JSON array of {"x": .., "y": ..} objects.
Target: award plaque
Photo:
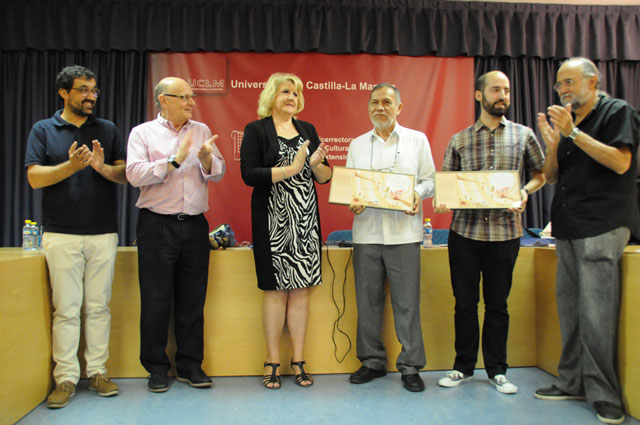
[
  {"x": 478, "y": 189},
  {"x": 375, "y": 189}
]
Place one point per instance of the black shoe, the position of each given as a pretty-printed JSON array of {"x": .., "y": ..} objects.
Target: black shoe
[
  {"x": 555, "y": 393},
  {"x": 608, "y": 413},
  {"x": 195, "y": 377},
  {"x": 158, "y": 382},
  {"x": 303, "y": 376},
  {"x": 413, "y": 382},
  {"x": 365, "y": 374}
]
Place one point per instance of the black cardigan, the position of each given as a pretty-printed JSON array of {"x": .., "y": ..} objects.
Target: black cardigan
[{"x": 258, "y": 154}]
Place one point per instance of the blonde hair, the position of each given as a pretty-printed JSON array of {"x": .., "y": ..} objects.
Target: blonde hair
[{"x": 268, "y": 94}]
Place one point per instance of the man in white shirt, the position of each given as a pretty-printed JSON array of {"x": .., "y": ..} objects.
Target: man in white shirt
[{"x": 387, "y": 242}]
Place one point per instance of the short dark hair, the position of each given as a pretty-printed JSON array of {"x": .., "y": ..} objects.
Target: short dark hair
[
  {"x": 387, "y": 85},
  {"x": 65, "y": 78}
]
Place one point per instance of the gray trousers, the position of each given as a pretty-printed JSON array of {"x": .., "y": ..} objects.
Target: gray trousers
[
  {"x": 372, "y": 263},
  {"x": 588, "y": 295}
]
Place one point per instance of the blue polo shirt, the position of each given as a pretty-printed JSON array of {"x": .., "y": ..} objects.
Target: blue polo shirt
[{"x": 85, "y": 203}]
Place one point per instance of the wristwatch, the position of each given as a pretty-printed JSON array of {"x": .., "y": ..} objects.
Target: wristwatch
[
  {"x": 574, "y": 133},
  {"x": 172, "y": 160}
]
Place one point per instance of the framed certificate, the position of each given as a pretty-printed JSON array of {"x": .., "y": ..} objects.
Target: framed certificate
[
  {"x": 375, "y": 189},
  {"x": 478, "y": 189}
]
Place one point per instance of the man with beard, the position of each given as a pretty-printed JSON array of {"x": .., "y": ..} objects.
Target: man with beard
[
  {"x": 592, "y": 143},
  {"x": 77, "y": 158},
  {"x": 387, "y": 242},
  {"x": 487, "y": 241}
]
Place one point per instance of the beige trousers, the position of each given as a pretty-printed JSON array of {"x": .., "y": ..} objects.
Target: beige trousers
[{"x": 81, "y": 271}]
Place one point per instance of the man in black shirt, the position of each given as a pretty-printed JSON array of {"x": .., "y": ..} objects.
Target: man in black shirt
[
  {"x": 77, "y": 159},
  {"x": 592, "y": 143}
]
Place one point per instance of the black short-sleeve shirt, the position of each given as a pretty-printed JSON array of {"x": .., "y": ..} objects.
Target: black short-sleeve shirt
[
  {"x": 590, "y": 199},
  {"x": 84, "y": 203}
]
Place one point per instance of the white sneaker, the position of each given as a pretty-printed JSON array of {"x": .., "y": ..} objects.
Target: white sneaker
[
  {"x": 453, "y": 379},
  {"x": 503, "y": 385}
]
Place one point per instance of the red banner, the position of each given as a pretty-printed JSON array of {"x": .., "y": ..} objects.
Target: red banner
[{"x": 437, "y": 94}]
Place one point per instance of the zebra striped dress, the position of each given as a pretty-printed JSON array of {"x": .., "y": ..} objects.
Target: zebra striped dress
[{"x": 294, "y": 227}]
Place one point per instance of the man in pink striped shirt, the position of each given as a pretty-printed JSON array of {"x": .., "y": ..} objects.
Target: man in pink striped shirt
[{"x": 172, "y": 159}]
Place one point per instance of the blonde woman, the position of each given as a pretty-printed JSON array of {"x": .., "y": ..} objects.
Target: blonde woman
[{"x": 280, "y": 158}]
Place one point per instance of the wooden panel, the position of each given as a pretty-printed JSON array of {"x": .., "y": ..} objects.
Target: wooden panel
[
  {"x": 25, "y": 326},
  {"x": 629, "y": 333},
  {"x": 124, "y": 344},
  {"x": 548, "y": 342},
  {"x": 234, "y": 344},
  {"x": 521, "y": 347}
]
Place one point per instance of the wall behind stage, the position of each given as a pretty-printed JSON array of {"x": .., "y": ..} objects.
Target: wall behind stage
[{"x": 437, "y": 94}]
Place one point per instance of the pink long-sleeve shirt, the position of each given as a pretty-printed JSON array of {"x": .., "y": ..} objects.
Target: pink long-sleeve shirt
[{"x": 183, "y": 190}]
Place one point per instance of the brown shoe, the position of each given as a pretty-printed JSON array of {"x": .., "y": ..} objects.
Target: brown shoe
[
  {"x": 103, "y": 385},
  {"x": 61, "y": 395}
]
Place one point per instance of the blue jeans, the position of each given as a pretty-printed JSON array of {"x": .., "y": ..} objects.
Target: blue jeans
[{"x": 588, "y": 295}]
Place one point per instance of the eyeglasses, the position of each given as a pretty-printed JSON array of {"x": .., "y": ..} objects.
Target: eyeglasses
[
  {"x": 85, "y": 91},
  {"x": 566, "y": 83},
  {"x": 182, "y": 97}
]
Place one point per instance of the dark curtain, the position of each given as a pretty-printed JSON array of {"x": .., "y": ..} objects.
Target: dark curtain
[
  {"x": 532, "y": 91},
  {"x": 406, "y": 27},
  {"x": 28, "y": 95},
  {"x": 113, "y": 38}
]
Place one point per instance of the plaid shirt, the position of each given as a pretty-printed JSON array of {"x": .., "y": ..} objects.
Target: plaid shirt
[{"x": 509, "y": 147}]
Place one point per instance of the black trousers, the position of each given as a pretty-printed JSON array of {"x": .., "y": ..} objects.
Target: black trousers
[
  {"x": 468, "y": 260},
  {"x": 173, "y": 269}
]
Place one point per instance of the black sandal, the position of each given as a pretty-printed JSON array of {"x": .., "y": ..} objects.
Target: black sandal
[
  {"x": 302, "y": 376},
  {"x": 272, "y": 379}
]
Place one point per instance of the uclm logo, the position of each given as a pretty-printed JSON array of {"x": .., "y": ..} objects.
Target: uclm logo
[
  {"x": 237, "y": 136},
  {"x": 205, "y": 85}
]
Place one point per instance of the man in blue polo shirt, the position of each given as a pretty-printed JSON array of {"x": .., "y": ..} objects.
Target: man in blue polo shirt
[{"x": 77, "y": 159}]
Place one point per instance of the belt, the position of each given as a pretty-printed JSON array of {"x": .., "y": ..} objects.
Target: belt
[{"x": 179, "y": 217}]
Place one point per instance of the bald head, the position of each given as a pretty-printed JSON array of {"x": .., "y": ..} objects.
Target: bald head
[
  {"x": 481, "y": 82},
  {"x": 165, "y": 85},
  {"x": 577, "y": 83},
  {"x": 175, "y": 99},
  {"x": 585, "y": 66}
]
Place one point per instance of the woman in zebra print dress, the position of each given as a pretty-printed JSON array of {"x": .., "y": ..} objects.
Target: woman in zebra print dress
[{"x": 280, "y": 158}]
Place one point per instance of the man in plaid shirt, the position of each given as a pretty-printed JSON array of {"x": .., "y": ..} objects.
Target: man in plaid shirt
[{"x": 486, "y": 241}]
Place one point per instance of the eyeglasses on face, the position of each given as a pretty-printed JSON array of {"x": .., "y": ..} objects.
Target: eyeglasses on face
[
  {"x": 182, "y": 97},
  {"x": 85, "y": 91},
  {"x": 568, "y": 83}
]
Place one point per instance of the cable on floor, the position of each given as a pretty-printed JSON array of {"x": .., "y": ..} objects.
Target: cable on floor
[{"x": 336, "y": 324}]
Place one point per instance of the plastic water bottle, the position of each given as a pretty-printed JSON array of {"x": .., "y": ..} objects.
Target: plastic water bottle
[
  {"x": 27, "y": 244},
  {"x": 35, "y": 235},
  {"x": 427, "y": 233}
]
